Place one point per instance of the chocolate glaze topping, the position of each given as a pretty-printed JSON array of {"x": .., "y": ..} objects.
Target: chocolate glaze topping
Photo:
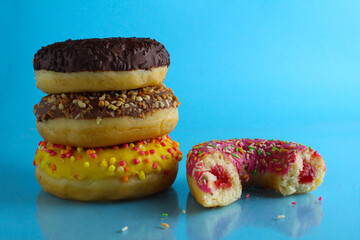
[
  {"x": 107, "y": 54},
  {"x": 98, "y": 105}
]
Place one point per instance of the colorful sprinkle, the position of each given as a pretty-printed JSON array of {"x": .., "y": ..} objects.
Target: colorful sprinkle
[
  {"x": 112, "y": 160},
  {"x": 141, "y": 175},
  {"x": 52, "y": 167},
  {"x": 165, "y": 225},
  {"x": 125, "y": 179},
  {"x": 111, "y": 168},
  {"x": 136, "y": 161},
  {"x": 104, "y": 163}
]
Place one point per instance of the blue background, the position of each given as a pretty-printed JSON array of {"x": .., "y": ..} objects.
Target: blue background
[{"x": 261, "y": 69}]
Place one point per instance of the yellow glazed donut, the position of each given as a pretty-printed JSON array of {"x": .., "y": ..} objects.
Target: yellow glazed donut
[
  {"x": 93, "y": 65},
  {"x": 119, "y": 172},
  {"x": 107, "y": 118},
  {"x": 217, "y": 170}
]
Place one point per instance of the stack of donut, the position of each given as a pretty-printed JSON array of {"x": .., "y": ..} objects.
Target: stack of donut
[{"x": 105, "y": 119}]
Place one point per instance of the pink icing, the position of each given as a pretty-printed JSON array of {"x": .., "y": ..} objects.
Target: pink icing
[{"x": 257, "y": 155}]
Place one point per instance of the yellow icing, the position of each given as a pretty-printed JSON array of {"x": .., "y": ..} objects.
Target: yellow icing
[{"x": 118, "y": 161}]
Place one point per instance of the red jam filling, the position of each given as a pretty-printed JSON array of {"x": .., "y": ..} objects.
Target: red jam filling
[
  {"x": 307, "y": 174},
  {"x": 223, "y": 179}
]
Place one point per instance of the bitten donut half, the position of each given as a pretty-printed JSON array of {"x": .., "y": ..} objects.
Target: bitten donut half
[
  {"x": 93, "y": 65},
  {"x": 107, "y": 118},
  {"x": 119, "y": 172},
  {"x": 217, "y": 170}
]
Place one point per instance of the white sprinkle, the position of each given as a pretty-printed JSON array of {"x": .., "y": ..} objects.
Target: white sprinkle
[
  {"x": 184, "y": 211},
  {"x": 280, "y": 217},
  {"x": 124, "y": 229}
]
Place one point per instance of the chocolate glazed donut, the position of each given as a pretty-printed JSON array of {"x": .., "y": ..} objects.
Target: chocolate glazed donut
[
  {"x": 92, "y": 65},
  {"x": 217, "y": 170},
  {"x": 107, "y": 118}
]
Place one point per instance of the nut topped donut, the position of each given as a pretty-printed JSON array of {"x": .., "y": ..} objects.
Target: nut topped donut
[
  {"x": 93, "y": 65},
  {"x": 216, "y": 170},
  {"x": 118, "y": 172},
  {"x": 97, "y": 119}
]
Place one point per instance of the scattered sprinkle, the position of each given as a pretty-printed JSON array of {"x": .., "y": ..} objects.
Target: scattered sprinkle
[
  {"x": 124, "y": 228},
  {"x": 184, "y": 211},
  {"x": 164, "y": 214},
  {"x": 247, "y": 195},
  {"x": 293, "y": 203},
  {"x": 165, "y": 225},
  {"x": 320, "y": 198},
  {"x": 280, "y": 217}
]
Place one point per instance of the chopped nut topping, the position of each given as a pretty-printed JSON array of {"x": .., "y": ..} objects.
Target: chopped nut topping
[
  {"x": 99, "y": 105},
  {"x": 61, "y": 106},
  {"x": 81, "y": 104}
]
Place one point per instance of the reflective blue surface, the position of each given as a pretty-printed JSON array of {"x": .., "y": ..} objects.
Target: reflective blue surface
[
  {"x": 284, "y": 70},
  {"x": 29, "y": 212}
]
